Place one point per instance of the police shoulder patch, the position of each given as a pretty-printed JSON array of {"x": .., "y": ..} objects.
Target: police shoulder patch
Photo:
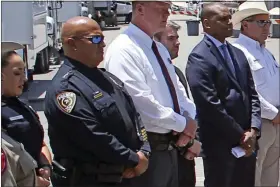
[{"x": 66, "y": 101}]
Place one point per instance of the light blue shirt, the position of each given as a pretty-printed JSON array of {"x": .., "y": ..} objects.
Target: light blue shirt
[
  {"x": 266, "y": 72},
  {"x": 219, "y": 45}
]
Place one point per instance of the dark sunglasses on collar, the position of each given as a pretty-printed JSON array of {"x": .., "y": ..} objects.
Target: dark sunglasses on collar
[
  {"x": 261, "y": 23},
  {"x": 95, "y": 39}
]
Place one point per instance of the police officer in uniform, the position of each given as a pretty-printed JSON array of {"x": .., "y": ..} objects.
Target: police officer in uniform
[
  {"x": 18, "y": 119},
  {"x": 95, "y": 132},
  {"x": 17, "y": 165}
]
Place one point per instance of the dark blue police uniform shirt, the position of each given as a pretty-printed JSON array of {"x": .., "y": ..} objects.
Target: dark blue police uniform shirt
[
  {"x": 85, "y": 124},
  {"x": 22, "y": 124}
]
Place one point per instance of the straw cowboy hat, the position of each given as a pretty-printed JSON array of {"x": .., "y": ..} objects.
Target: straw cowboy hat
[
  {"x": 247, "y": 9},
  {"x": 10, "y": 46},
  {"x": 275, "y": 11}
]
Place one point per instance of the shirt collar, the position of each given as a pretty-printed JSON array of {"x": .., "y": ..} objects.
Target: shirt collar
[
  {"x": 249, "y": 41},
  {"x": 141, "y": 35},
  {"x": 9, "y": 100},
  {"x": 78, "y": 65},
  {"x": 215, "y": 41}
]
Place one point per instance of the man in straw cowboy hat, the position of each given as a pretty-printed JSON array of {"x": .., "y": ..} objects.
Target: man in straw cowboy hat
[
  {"x": 144, "y": 66},
  {"x": 253, "y": 18},
  {"x": 228, "y": 108}
]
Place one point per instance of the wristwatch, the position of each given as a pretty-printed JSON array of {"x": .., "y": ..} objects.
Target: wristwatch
[
  {"x": 190, "y": 144},
  {"x": 146, "y": 153}
]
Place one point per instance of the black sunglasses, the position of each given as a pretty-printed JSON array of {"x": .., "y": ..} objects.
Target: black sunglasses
[
  {"x": 95, "y": 39},
  {"x": 261, "y": 23}
]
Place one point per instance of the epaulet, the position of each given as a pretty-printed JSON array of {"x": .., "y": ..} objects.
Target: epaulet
[
  {"x": 115, "y": 79},
  {"x": 24, "y": 101},
  {"x": 102, "y": 69},
  {"x": 3, "y": 130},
  {"x": 68, "y": 74},
  {"x": 3, "y": 104}
]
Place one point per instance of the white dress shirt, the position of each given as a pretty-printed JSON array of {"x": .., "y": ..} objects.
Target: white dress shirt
[
  {"x": 131, "y": 58},
  {"x": 266, "y": 74}
]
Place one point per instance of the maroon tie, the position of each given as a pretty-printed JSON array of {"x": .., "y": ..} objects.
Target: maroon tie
[{"x": 167, "y": 79}]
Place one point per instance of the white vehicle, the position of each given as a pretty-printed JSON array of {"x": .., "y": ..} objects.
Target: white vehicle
[
  {"x": 60, "y": 12},
  {"x": 124, "y": 11},
  {"x": 36, "y": 25}
]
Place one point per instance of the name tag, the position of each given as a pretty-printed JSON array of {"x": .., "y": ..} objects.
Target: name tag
[{"x": 16, "y": 118}]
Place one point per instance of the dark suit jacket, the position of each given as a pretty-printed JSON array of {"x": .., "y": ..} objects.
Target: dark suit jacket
[
  {"x": 226, "y": 106},
  {"x": 182, "y": 79}
]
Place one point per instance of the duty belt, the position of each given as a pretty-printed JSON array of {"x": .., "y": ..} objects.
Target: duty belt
[
  {"x": 99, "y": 172},
  {"x": 90, "y": 168},
  {"x": 160, "y": 142}
]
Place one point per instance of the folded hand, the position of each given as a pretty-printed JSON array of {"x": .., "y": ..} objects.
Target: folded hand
[
  {"x": 196, "y": 148},
  {"x": 42, "y": 182},
  {"x": 183, "y": 140},
  {"x": 191, "y": 127},
  {"x": 189, "y": 155},
  {"x": 142, "y": 165},
  {"x": 45, "y": 173},
  {"x": 249, "y": 142},
  {"x": 129, "y": 173}
]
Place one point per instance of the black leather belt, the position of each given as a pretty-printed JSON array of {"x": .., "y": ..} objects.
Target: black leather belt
[{"x": 160, "y": 142}]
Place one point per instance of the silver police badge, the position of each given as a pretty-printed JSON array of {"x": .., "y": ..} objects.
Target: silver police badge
[{"x": 66, "y": 101}]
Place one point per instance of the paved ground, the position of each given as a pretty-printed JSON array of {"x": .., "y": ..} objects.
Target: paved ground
[{"x": 187, "y": 44}]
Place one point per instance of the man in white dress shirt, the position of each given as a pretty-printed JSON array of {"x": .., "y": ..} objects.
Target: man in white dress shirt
[
  {"x": 265, "y": 71},
  {"x": 170, "y": 39},
  {"x": 149, "y": 77}
]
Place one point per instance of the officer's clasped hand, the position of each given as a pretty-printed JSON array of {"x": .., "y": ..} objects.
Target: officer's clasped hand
[
  {"x": 129, "y": 173},
  {"x": 139, "y": 169},
  {"x": 45, "y": 172},
  {"x": 42, "y": 182}
]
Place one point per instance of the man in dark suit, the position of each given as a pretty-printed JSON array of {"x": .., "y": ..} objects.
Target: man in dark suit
[{"x": 228, "y": 108}]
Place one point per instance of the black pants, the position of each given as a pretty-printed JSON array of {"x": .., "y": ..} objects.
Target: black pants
[
  {"x": 162, "y": 171},
  {"x": 85, "y": 181},
  {"x": 224, "y": 170},
  {"x": 186, "y": 172},
  {"x": 81, "y": 178}
]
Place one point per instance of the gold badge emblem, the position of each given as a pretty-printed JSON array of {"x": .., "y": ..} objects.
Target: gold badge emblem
[
  {"x": 66, "y": 101},
  {"x": 144, "y": 134},
  {"x": 97, "y": 95}
]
